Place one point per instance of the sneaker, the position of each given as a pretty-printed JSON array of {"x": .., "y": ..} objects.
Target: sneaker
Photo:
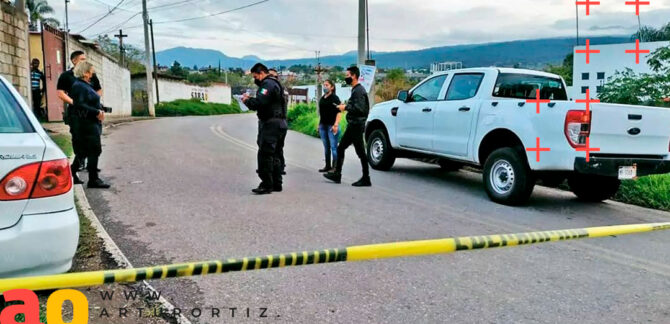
[
  {"x": 98, "y": 184},
  {"x": 334, "y": 177},
  {"x": 363, "y": 182}
]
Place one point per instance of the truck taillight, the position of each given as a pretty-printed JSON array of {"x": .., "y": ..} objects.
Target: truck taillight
[
  {"x": 37, "y": 180},
  {"x": 577, "y": 127}
]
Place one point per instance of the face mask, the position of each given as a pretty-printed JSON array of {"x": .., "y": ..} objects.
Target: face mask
[
  {"x": 349, "y": 80},
  {"x": 257, "y": 82},
  {"x": 326, "y": 89}
]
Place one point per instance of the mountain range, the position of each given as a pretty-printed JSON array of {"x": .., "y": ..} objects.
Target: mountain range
[{"x": 526, "y": 53}]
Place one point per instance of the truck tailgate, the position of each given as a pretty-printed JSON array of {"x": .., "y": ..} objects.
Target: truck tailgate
[{"x": 630, "y": 130}]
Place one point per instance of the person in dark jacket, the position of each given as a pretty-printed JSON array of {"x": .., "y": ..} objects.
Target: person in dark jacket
[
  {"x": 270, "y": 108},
  {"x": 357, "y": 109},
  {"x": 88, "y": 114},
  {"x": 64, "y": 85},
  {"x": 329, "y": 124}
]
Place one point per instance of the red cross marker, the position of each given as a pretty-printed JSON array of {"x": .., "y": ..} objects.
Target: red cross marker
[
  {"x": 637, "y": 51},
  {"x": 637, "y": 4},
  {"x": 588, "y": 4},
  {"x": 539, "y": 149},
  {"x": 588, "y": 100},
  {"x": 588, "y": 149},
  {"x": 587, "y": 51},
  {"x": 537, "y": 100}
]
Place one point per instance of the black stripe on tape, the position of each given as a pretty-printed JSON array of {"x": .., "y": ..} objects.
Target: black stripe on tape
[
  {"x": 141, "y": 275},
  {"x": 232, "y": 266},
  {"x": 264, "y": 262},
  {"x": 109, "y": 277},
  {"x": 157, "y": 273},
  {"x": 212, "y": 267},
  {"x": 275, "y": 261},
  {"x": 197, "y": 269}
]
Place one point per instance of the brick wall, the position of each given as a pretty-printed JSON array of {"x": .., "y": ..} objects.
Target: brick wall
[{"x": 14, "y": 48}]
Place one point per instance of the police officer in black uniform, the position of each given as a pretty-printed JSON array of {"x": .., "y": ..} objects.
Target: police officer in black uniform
[{"x": 270, "y": 108}]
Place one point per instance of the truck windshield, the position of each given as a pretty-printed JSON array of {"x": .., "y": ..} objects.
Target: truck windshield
[
  {"x": 12, "y": 118},
  {"x": 524, "y": 86}
]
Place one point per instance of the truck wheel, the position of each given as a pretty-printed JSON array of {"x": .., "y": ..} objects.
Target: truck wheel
[
  {"x": 507, "y": 177},
  {"x": 448, "y": 165},
  {"x": 593, "y": 188},
  {"x": 380, "y": 153}
]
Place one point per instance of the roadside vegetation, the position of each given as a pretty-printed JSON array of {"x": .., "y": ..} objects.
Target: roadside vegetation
[
  {"x": 303, "y": 118},
  {"x": 195, "y": 107}
]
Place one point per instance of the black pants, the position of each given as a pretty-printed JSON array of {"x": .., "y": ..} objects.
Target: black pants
[
  {"x": 353, "y": 135},
  {"x": 90, "y": 148},
  {"x": 37, "y": 104},
  {"x": 271, "y": 136}
]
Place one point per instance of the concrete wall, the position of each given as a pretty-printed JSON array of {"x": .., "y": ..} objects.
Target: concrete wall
[
  {"x": 115, "y": 82},
  {"x": 170, "y": 90},
  {"x": 14, "y": 56}
]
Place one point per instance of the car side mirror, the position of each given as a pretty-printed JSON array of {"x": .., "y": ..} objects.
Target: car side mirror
[{"x": 403, "y": 95}]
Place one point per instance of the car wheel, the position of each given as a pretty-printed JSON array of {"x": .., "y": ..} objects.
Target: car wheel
[
  {"x": 448, "y": 165},
  {"x": 593, "y": 188},
  {"x": 507, "y": 177},
  {"x": 380, "y": 153}
]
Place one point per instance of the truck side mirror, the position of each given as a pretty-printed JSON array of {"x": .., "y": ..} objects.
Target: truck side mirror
[{"x": 403, "y": 95}]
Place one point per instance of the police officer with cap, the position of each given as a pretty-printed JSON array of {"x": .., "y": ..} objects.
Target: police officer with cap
[{"x": 270, "y": 108}]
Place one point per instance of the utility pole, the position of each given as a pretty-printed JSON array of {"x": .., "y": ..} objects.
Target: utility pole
[
  {"x": 319, "y": 81},
  {"x": 577, "y": 21},
  {"x": 362, "y": 4},
  {"x": 147, "y": 63},
  {"x": 67, "y": 35},
  {"x": 122, "y": 50},
  {"x": 153, "y": 53}
]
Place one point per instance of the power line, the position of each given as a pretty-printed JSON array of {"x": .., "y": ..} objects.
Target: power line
[
  {"x": 213, "y": 14},
  {"x": 103, "y": 17}
]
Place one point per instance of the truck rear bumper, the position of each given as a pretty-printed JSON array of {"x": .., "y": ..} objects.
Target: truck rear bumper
[{"x": 607, "y": 166}]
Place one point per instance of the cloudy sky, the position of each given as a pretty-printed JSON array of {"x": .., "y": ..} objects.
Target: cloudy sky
[{"x": 297, "y": 28}]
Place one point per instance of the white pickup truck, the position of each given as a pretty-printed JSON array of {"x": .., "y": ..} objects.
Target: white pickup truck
[{"x": 482, "y": 117}]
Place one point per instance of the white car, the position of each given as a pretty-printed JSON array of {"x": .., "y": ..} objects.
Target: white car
[
  {"x": 489, "y": 118},
  {"x": 39, "y": 225}
]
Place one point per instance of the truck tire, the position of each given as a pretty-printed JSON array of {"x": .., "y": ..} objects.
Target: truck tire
[
  {"x": 380, "y": 153},
  {"x": 507, "y": 177},
  {"x": 593, "y": 188},
  {"x": 448, "y": 165}
]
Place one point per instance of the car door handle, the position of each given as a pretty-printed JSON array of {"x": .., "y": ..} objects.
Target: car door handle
[
  {"x": 427, "y": 110},
  {"x": 464, "y": 109}
]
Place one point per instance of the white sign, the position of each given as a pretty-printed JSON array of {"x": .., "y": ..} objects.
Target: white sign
[{"x": 367, "y": 76}]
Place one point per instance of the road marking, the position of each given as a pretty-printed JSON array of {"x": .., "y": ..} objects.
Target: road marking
[{"x": 463, "y": 214}]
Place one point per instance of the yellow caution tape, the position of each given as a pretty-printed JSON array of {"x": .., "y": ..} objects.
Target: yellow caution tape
[{"x": 352, "y": 253}]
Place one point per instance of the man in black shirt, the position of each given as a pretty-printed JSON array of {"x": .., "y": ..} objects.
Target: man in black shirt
[
  {"x": 357, "y": 114},
  {"x": 64, "y": 86},
  {"x": 270, "y": 108},
  {"x": 38, "y": 86}
]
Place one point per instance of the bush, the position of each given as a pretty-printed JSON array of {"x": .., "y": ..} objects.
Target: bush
[
  {"x": 303, "y": 118},
  {"x": 195, "y": 107}
]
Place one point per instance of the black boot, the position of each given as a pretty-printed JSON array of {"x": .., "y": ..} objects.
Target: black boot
[
  {"x": 262, "y": 190},
  {"x": 76, "y": 180},
  {"x": 327, "y": 168},
  {"x": 334, "y": 177},
  {"x": 363, "y": 182},
  {"x": 98, "y": 184}
]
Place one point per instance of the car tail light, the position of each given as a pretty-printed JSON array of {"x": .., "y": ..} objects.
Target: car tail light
[
  {"x": 19, "y": 183},
  {"x": 54, "y": 179},
  {"x": 37, "y": 180},
  {"x": 577, "y": 127}
]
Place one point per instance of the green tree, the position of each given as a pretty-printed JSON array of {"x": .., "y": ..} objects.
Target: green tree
[
  {"x": 38, "y": 9},
  {"x": 651, "y": 34},
  {"x": 394, "y": 81},
  {"x": 564, "y": 70},
  {"x": 650, "y": 89},
  {"x": 133, "y": 55}
]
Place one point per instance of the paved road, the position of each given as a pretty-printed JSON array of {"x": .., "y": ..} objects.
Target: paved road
[{"x": 182, "y": 193}]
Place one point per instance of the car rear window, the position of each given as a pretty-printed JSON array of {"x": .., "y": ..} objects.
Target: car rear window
[
  {"x": 12, "y": 117},
  {"x": 523, "y": 86}
]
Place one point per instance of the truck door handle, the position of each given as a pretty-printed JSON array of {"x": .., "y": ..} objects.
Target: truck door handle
[
  {"x": 427, "y": 110},
  {"x": 551, "y": 104},
  {"x": 494, "y": 104},
  {"x": 521, "y": 104},
  {"x": 464, "y": 109}
]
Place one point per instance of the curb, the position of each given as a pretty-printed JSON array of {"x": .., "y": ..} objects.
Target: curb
[{"x": 113, "y": 249}]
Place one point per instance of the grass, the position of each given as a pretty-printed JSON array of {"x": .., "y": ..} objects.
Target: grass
[
  {"x": 195, "y": 107},
  {"x": 64, "y": 142},
  {"x": 303, "y": 118},
  {"x": 650, "y": 191}
]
